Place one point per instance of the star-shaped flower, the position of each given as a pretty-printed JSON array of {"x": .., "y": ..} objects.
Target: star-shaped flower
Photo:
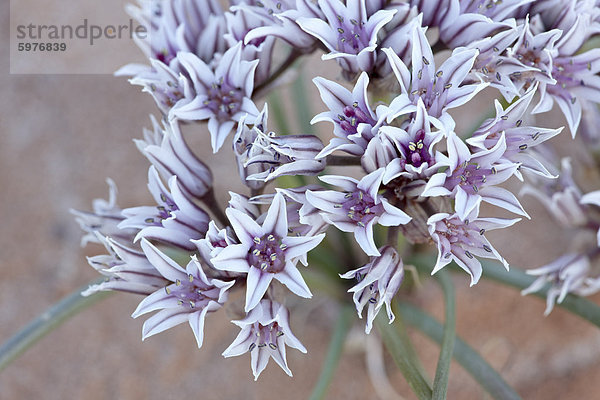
[
  {"x": 189, "y": 297},
  {"x": 472, "y": 177},
  {"x": 439, "y": 88},
  {"x": 348, "y": 33},
  {"x": 265, "y": 333},
  {"x": 265, "y": 252},
  {"x": 222, "y": 95},
  {"x": 354, "y": 122},
  {"x": 463, "y": 240},
  {"x": 358, "y": 208}
]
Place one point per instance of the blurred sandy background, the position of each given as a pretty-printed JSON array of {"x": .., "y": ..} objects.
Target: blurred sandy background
[{"x": 61, "y": 136}]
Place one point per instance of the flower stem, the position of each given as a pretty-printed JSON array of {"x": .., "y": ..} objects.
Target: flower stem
[
  {"x": 487, "y": 377},
  {"x": 442, "y": 372},
  {"x": 291, "y": 58},
  {"x": 332, "y": 358},
  {"x": 398, "y": 348},
  {"x": 211, "y": 202},
  {"x": 45, "y": 323},
  {"x": 342, "y": 160}
]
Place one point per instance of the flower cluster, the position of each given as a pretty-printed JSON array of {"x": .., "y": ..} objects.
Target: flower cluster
[{"x": 421, "y": 174}]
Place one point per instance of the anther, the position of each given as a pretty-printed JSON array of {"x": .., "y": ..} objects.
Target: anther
[
  {"x": 373, "y": 300},
  {"x": 425, "y": 61},
  {"x": 535, "y": 136},
  {"x": 447, "y": 86},
  {"x": 487, "y": 248},
  {"x": 256, "y": 252},
  {"x": 191, "y": 278},
  {"x": 252, "y": 346},
  {"x": 167, "y": 290},
  {"x": 271, "y": 238},
  {"x": 273, "y": 346},
  {"x": 257, "y": 240},
  {"x": 273, "y": 257},
  {"x": 439, "y": 74},
  {"x": 468, "y": 254},
  {"x": 177, "y": 282},
  {"x": 523, "y": 146},
  {"x": 283, "y": 246},
  {"x": 340, "y": 30},
  {"x": 481, "y": 231},
  {"x": 519, "y": 122}
]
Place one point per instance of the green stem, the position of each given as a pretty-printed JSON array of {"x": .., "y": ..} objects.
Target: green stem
[
  {"x": 409, "y": 348},
  {"x": 440, "y": 382},
  {"x": 471, "y": 361},
  {"x": 287, "y": 63},
  {"x": 398, "y": 349},
  {"x": 45, "y": 323},
  {"x": 302, "y": 105},
  {"x": 276, "y": 110},
  {"x": 332, "y": 358}
]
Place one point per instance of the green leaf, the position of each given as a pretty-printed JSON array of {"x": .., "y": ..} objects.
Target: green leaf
[
  {"x": 398, "y": 348},
  {"x": 440, "y": 382},
  {"x": 332, "y": 358},
  {"x": 45, "y": 323},
  {"x": 471, "y": 361}
]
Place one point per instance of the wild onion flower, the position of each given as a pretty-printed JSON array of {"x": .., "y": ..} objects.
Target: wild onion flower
[
  {"x": 170, "y": 155},
  {"x": 462, "y": 241},
  {"x": 280, "y": 21},
  {"x": 520, "y": 138},
  {"x": 378, "y": 282},
  {"x": 104, "y": 219},
  {"x": 354, "y": 122},
  {"x": 269, "y": 156},
  {"x": 188, "y": 298},
  {"x": 567, "y": 274},
  {"x": 357, "y": 208},
  {"x": 265, "y": 252},
  {"x": 265, "y": 332},
  {"x": 441, "y": 88},
  {"x": 472, "y": 177},
  {"x": 175, "y": 219},
  {"x": 222, "y": 95},
  {"x": 348, "y": 32},
  {"x": 126, "y": 270},
  {"x": 414, "y": 148}
]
